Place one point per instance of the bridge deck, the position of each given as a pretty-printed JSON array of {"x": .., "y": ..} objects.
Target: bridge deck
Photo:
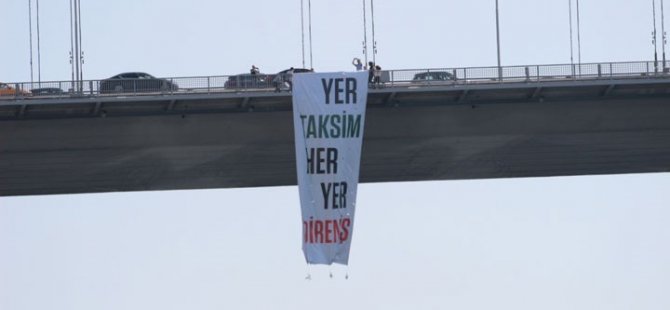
[{"x": 245, "y": 139}]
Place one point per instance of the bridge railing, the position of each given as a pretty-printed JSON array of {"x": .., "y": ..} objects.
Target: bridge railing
[
  {"x": 534, "y": 73},
  {"x": 389, "y": 78}
]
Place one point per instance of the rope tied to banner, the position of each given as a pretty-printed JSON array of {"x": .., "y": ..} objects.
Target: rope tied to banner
[{"x": 309, "y": 274}]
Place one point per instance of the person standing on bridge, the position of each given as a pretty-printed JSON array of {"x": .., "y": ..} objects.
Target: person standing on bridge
[
  {"x": 358, "y": 64},
  {"x": 377, "y": 76},
  {"x": 254, "y": 69},
  {"x": 371, "y": 72},
  {"x": 289, "y": 79}
]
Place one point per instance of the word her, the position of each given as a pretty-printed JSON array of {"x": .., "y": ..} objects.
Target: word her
[{"x": 322, "y": 160}]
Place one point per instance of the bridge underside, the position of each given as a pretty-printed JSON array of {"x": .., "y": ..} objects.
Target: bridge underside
[{"x": 247, "y": 141}]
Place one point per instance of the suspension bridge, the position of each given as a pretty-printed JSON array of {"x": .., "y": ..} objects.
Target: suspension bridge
[{"x": 527, "y": 121}]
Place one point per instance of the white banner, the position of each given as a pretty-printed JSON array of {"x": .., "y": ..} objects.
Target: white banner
[{"x": 329, "y": 117}]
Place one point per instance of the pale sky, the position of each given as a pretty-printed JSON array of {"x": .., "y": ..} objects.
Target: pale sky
[
  {"x": 205, "y": 37},
  {"x": 598, "y": 242}
]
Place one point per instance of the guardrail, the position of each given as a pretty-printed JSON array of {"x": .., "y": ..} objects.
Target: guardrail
[
  {"x": 534, "y": 73},
  {"x": 388, "y": 78}
]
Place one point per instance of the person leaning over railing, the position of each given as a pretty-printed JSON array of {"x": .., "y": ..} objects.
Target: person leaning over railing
[{"x": 378, "y": 75}]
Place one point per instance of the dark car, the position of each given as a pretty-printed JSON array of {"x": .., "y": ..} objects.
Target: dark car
[
  {"x": 134, "y": 82},
  {"x": 279, "y": 79},
  {"x": 47, "y": 91},
  {"x": 433, "y": 77},
  {"x": 284, "y": 73},
  {"x": 247, "y": 81}
]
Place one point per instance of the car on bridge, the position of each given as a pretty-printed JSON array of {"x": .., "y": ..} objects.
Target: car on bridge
[
  {"x": 6, "y": 90},
  {"x": 248, "y": 81},
  {"x": 433, "y": 77},
  {"x": 135, "y": 82},
  {"x": 280, "y": 79},
  {"x": 47, "y": 91}
]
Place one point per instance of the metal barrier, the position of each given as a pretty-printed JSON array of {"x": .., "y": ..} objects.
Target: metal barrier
[{"x": 390, "y": 78}]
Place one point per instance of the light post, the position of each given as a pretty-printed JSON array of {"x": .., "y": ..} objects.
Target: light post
[
  {"x": 572, "y": 49},
  {"x": 302, "y": 29},
  {"x": 76, "y": 53},
  {"x": 498, "y": 41},
  {"x": 39, "y": 58},
  {"x": 579, "y": 43},
  {"x": 309, "y": 10},
  {"x": 653, "y": 36},
  {"x": 365, "y": 35},
  {"x": 664, "y": 34},
  {"x": 374, "y": 42},
  {"x": 365, "y": 32},
  {"x": 30, "y": 37}
]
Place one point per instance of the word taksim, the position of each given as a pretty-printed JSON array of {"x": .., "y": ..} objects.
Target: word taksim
[{"x": 331, "y": 126}]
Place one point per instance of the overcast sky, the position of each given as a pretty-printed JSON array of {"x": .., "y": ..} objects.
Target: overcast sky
[
  {"x": 598, "y": 242},
  {"x": 205, "y": 37}
]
